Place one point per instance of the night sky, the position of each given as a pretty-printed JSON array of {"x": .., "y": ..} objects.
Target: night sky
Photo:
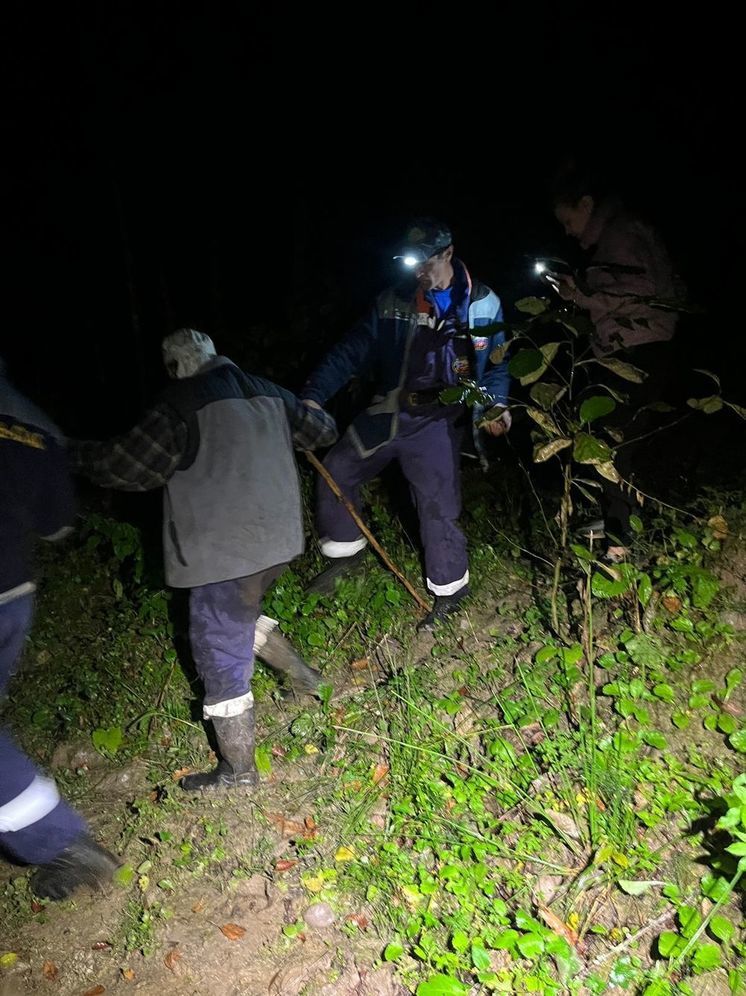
[{"x": 247, "y": 171}]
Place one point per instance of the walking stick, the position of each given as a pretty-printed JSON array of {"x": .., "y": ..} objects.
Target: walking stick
[{"x": 315, "y": 462}]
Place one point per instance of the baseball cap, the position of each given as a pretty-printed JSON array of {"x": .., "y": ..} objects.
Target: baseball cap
[{"x": 424, "y": 238}]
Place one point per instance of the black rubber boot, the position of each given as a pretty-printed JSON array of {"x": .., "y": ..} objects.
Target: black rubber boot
[
  {"x": 282, "y": 657},
  {"x": 236, "y": 768},
  {"x": 82, "y": 863},
  {"x": 445, "y": 605},
  {"x": 340, "y": 567}
]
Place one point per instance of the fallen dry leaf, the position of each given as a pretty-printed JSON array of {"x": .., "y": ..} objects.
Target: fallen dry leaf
[
  {"x": 361, "y": 664},
  {"x": 180, "y": 772},
  {"x": 310, "y": 824},
  {"x": 671, "y": 602},
  {"x": 285, "y": 865},
  {"x": 171, "y": 958},
  {"x": 128, "y": 974},
  {"x": 288, "y": 828},
  {"x": 559, "y": 926},
  {"x": 380, "y": 771},
  {"x": 360, "y": 919},
  {"x": 49, "y": 970},
  {"x": 278, "y": 751},
  {"x": 37, "y": 907},
  {"x": 232, "y": 931},
  {"x": 719, "y": 527},
  {"x": 199, "y": 905},
  {"x": 96, "y": 991}
]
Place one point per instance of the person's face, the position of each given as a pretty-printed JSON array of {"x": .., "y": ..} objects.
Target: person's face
[
  {"x": 436, "y": 273},
  {"x": 575, "y": 217}
]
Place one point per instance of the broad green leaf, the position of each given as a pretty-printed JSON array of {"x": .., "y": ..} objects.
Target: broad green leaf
[
  {"x": 690, "y": 919},
  {"x": 545, "y": 654},
  {"x": 442, "y": 985},
  {"x": 109, "y": 739},
  {"x": 708, "y": 405},
  {"x": 525, "y": 362},
  {"x": 670, "y": 944},
  {"x": 548, "y": 352},
  {"x": 263, "y": 759},
  {"x": 531, "y": 305},
  {"x": 726, "y": 723},
  {"x": 124, "y": 876},
  {"x": 505, "y": 940},
  {"x": 603, "y": 587},
  {"x": 644, "y": 589},
  {"x": 721, "y": 927},
  {"x": 546, "y": 395},
  {"x": 737, "y": 741},
  {"x": 530, "y": 945},
  {"x": 480, "y": 958},
  {"x": 624, "y": 370},
  {"x": 499, "y": 353},
  {"x": 460, "y": 941},
  {"x": 733, "y": 679},
  {"x": 664, "y": 692},
  {"x": 588, "y": 449},
  {"x": 681, "y": 719},
  {"x": 706, "y": 957},
  {"x": 596, "y": 407},
  {"x": 393, "y": 951},
  {"x": 654, "y": 739}
]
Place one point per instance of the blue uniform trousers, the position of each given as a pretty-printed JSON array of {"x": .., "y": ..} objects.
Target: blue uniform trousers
[
  {"x": 35, "y": 824},
  {"x": 428, "y": 450}
]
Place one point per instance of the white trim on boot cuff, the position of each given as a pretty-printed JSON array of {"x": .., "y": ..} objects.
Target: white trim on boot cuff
[
  {"x": 335, "y": 549},
  {"x": 230, "y": 707},
  {"x": 448, "y": 589}
]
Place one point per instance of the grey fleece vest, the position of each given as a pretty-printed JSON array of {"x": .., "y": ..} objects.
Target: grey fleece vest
[{"x": 234, "y": 506}]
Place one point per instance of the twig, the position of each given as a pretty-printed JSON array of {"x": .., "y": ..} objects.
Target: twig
[
  {"x": 315, "y": 462},
  {"x": 653, "y": 925}
]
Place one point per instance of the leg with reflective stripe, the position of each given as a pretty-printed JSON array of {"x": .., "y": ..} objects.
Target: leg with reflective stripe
[
  {"x": 35, "y": 824},
  {"x": 222, "y": 627}
]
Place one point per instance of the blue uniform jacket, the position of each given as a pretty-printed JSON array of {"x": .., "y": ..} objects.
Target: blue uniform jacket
[{"x": 378, "y": 350}]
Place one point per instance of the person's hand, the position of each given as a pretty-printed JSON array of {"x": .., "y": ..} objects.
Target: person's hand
[
  {"x": 498, "y": 426},
  {"x": 564, "y": 285}
]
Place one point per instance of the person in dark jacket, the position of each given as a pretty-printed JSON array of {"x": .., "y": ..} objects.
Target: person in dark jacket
[
  {"x": 630, "y": 290},
  {"x": 432, "y": 331},
  {"x": 220, "y": 443},
  {"x": 37, "y": 827}
]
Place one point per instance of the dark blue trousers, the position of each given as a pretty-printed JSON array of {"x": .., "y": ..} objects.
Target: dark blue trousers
[
  {"x": 35, "y": 824},
  {"x": 428, "y": 451},
  {"x": 222, "y": 622}
]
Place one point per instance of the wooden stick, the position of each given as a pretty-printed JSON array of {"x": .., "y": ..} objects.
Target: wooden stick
[{"x": 315, "y": 462}]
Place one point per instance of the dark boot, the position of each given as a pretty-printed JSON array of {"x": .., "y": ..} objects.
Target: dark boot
[
  {"x": 340, "y": 567},
  {"x": 84, "y": 862},
  {"x": 444, "y": 606},
  {"x": 236, "y": 768},
  {"x": 281, "y": 657}
]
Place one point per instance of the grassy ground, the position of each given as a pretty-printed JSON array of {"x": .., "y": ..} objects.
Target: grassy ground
[{"x": 492, "y": 809}]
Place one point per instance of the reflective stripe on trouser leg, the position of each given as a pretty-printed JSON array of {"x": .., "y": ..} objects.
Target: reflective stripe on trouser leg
[
  {"x": 428, "y": 451},
  {"x": 35, "y": 824},
  {"x": 341, "y": 534},
  {"x": 222, "y": 627}
]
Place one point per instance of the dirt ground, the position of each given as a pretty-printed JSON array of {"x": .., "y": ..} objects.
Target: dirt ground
[{"x": 224, "y": 932}]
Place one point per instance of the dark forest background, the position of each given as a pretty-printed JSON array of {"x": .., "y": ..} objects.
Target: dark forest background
[{"x": 248, "y": 171}]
